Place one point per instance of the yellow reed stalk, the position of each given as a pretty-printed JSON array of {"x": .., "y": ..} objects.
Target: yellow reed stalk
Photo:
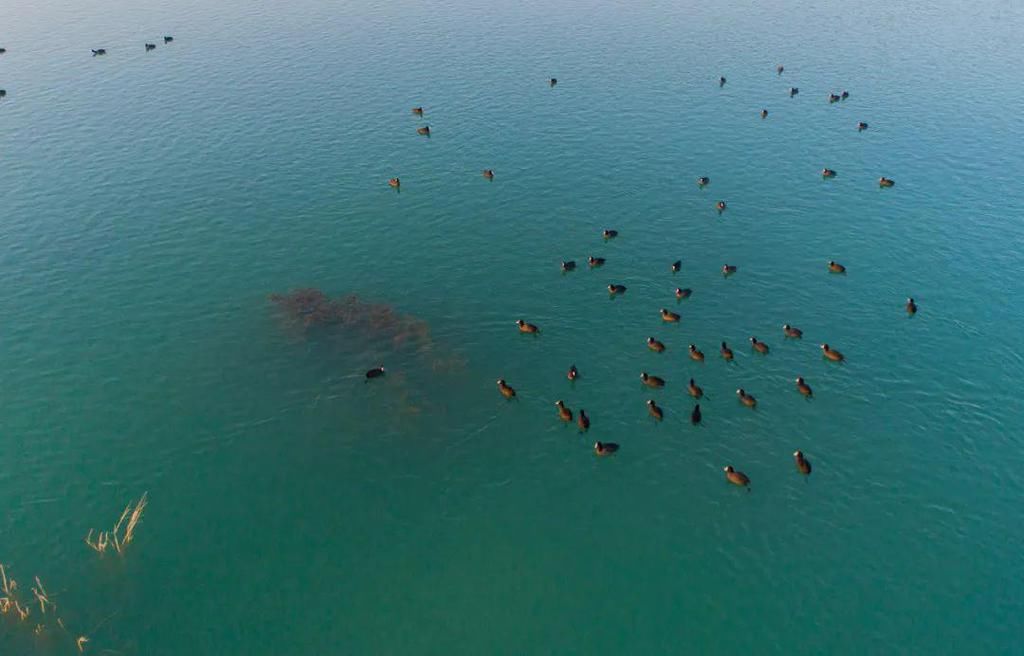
[
  {"x": 118, "y": 537},
  {"x": 40, "y": 593}
]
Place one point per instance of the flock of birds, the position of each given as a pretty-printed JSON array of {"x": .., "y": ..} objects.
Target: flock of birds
[
  {"x": 565, "y": 414},
  {"x": 96, "y": 52}
]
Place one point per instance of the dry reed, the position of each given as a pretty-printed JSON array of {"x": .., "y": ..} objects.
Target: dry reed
[{"x": 119, "y": 537}]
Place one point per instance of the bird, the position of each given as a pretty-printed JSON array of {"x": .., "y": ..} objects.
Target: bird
[
  {"x": 583, "y": 421},
  {"x": 655, "y": 345},
  {"x": 552, "y": 82},
  {"x": 721, "y": 81},
  {"x": 168, "y": 39},
  {"x": 832, "y": 354},
  {"x": 828, "y": 173},
  {"x": 564, "y": 413},
  {"x": 736, "y": 478},
  {"x": 489, "y": 174},
  {"x": 793, "y": 91},
  {"x": 418, "y": 111},
  {"x": 791, "y": 332},
  {"x": 911, "y": 306},
  {"x": 779, "y": 69},
  {"x": 605, "y": 448},
  {"x": 654, "y": 410},
  {"x": 150, "y": 46},
  {"x": 696, "y": 354},
  {"x": 506, "y": 390},
  {"x": 835, "y": 267},
  {"x": 573, "y": 373},
  {"x": 803, "y": 465},
  {"x": 703, "y": 181},
  {"x": 683, "y": 292},
  {"x": 678, "y": 264},
  {"x": 746, "y": 399},
  {"x": 759, "y": 346},
  {"x": 651, "y": 381},
  {"x": 376, "y": 372},
  {"x": 99, "y": 51},
  {"x": 616, "y": 290},
  {"x": 695, "y": 416},
  {"x": 668, "y": 316},
  {"x": 728, "y": 269},
  {"x": 803, "y": 387},
  {"x": 694, "y": 390},
  {"x": 720, "y": 205},
  {"x": 595, "y": 261},
  {"x": 833, "y": 98},
  {"x": 610, "y": 234},
  {"x": 394, "y": 182},
  {"x": 726, "y": 352},
  {"x": 527, "y": 327},
  {"x": 764, "y": 113},
  {"x": 861, "y": 126},
  {"x": 885, "y": 182},
  {"x": 425, "y": 130},
  {"x": 569, "y": 265}
]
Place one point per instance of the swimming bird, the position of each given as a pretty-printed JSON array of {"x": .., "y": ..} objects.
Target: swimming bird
[
  {"x": 564, "y": 413},
  {"x": 654, "y": 410},
  {"x": 844, "y": 95},
  {"x": 552, "y": 81},
  {"x": 764, "y": 113},
  {"x": 616, "y": 290},
  {"x": 861, "y": 126},
  {"x": 720, "y": 205},
  {"x": 168, "y": 39},
  {"x": 150, "y": 46},
  {"x": 696, "y": 354},
  {"x": 703, "y": 181},
  {"x": 418, "y": 111},
  {"x": 3, "y": 93},
  {"x": 911, "y": 306},
  {"x": 505, "y": 389},
  {"x": 832, "y": 354},
  {"x": 99, "y": 51},
  {"x": 425, "y": 130},
  {"x": 394, "y": 182},
  {"x": 736, "y": 478},
  {"x": 721, "y": 81},
  {"x": 3, "y": 50},
  {"x": 746, "y": 399},
  {"x": 605, "y": 448},
  {"x": 695, "y": 416},
  {"x": 651, "y": 381},
  {"x": 836, "y": 267},
  {"x": 694, "y": 390},
  {"x": 610, "y": 234},
  {"x": 569, "y": 265},
  {"x": 726, "y": 352},
  {"x": 527, "y": 327},
  {"x": 803, "y": 387},
  {"x": 376, "y": 372},
  {"x": 669, "y": 317},
  {"x": 573, "y": 373},
  {"x": 683, "y": 292},
  {"x": 595, "y": 261},
  {"x": 728, "y": 269},
  {"x": 793, "y": 91},
  {"x": 583, "y": 421},
  {"x": 676, "y": 266},
  {"x": 655, "y": 345},
  {"x": 828, "y": 173},
  {"x": 489, "y": 174},
  {"x": 885, "y": 182},
  {"x": 759, "y": 346},
  {"x": 833, "y": 98},
  {"x": 791, "y": 332},
  {"x": 779, "y": 69},
  {"x": 803, "y": 465}
]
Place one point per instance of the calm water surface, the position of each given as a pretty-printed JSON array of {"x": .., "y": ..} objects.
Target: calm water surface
[{"x": 152, "y": 201}]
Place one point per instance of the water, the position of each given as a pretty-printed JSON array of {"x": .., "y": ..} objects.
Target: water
[{"x": 152, "y": 202}]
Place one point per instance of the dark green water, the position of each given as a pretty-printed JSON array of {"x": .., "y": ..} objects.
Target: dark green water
[{"x": 152, "y": 201}]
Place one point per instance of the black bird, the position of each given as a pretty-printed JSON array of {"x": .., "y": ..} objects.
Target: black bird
[
  {"x": 793, "y": 91},
  {"x": 376, "y": 372},
  {"x": 569, "y": 265},
  {"x": 676, "y": 266},
  {"x": 168, "y": 39},
  {"x": 695, "y": 417},
  {"x": 150, "y": 46},
  {"x": 99, "y": 51},
  {"x": 553, "y": 81}
]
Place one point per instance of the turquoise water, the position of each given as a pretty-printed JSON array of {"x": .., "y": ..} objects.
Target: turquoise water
[{"x": 153, "y": 201}]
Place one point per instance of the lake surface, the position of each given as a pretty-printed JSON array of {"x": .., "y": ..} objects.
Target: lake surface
[{"x": 153, "y": 201}]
